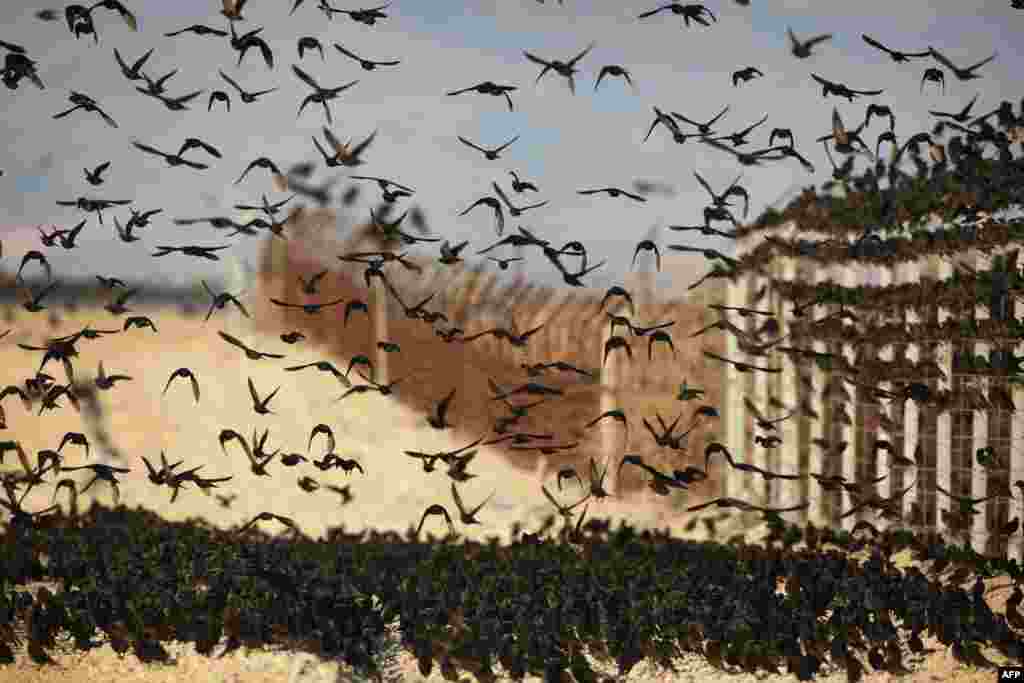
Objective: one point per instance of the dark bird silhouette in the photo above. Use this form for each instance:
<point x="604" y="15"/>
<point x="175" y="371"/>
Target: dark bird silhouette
<point x="745" y="506"/>
<point x="740" y="366"/>
<point x="260" y="162"/>
<point x="841" y="90"/>
<point x="367" y="16"/>
<point x="896" y="55"/>
<point x="232" y="10"/>
<point x="489" y="88"/>
<point x="220" y="300"/>
<point x="251" y="354"/>
<point x="184" y="372"/>
<point x="467" y="516"/>
<point x="95" y="176"/>
<point x="703" y="128"/>
<point x="366" y="64"/>
<point x="804" y="49"/>
<point x="344" y="154"/>
<point x="931" y="74"/>
<point x="199" y="30"/>
<point x="104" y="381"/>
<point x="308" y="309"/>
<point x="248" y="97"/>
<point x="436" y="509"/>
<point x="85" y="103"/>
<point x="193" y="250"/>
<point x="514" y="211"/>
<point x="260" y="405"/>
<point x="389" y="194"/>
<point x="746" y="75"/>
<point x="171" y="159"/>
<point x="133" y="72"/>
<point x="310" y="43"/>
<point x="320" y="95"/>
<point x="567" y="70"/>
<point x="962" y="74"/>
<point x="961" y="116"/>
<point x="242" y="44"/>
<point x="139" y="321"/>
<point x="689" y="12"/>
<point x="438" y="419"/>
<point x="613" y="192"/>
<point x="520" y="186"/>
<point x="490" y="154"/>
<point x="499" y="212"/>
<point x="613" y="70"/>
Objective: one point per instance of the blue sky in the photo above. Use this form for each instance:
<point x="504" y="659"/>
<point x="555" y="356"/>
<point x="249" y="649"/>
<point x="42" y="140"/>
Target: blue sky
<point x="568" y="143"/>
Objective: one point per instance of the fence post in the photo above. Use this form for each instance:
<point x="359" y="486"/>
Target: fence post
<point x="848" y="277"/>
<point x="910" y="273"/>
<point x="1015" y="546"/>
<point x="816" y="399"/>
<point x="610" y="429"/>
<point x="788" y="458"/>
<point x="942" y="268"/>
<point x="379" y="306"/>
<point x="883" y="462"/>
<point x="736" y="294"/>
<point x="980" y="435"/>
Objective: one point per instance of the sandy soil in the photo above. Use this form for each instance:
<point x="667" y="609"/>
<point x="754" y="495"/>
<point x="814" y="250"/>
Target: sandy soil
<point x="371" y="428"/>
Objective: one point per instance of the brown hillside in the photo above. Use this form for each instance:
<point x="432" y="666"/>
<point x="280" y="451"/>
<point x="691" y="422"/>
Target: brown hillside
<point x="476" y="301"/>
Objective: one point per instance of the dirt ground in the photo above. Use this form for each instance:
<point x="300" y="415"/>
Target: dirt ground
<point x="370" y="428"/>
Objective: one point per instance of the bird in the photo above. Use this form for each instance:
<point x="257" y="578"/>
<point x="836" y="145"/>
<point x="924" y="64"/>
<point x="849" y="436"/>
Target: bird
<point x="962" y="74"/>
<point x="199" y="30"/>
<point x="436" y="509"/>
<point x="85" y="103"/>
<point x="804" y="49"/>
<point x="961" y="116"/>
<point x="613" y="192"/>
<point x="746" y="75"/>
<point x="520" y="186"/>
<point x="933" y="75"/>
<point x="740" y="366"/>
<point x="308" y="309"/>
<point x="95" y="176"/>
<point x="567" y="70"/>
<point x="366" y="64"/>
<point x="242" y="44"/>
<point x="104" y="381"/>
<point x="171" y="159"/>
<point x="344" y="154"/>
<point x="259" y="162"/>
<point x="613" y="70"/>
<point x="184" y="372"/>
<point x="691" y="11"/>
<point x="321" y="95"/>
<point x="467" y="516"/>
<point x="896" y="55"/>
<point x="251" y="354"/>
<point x="248" y="97"/>
<point x="310" y="43"/>
<point x="260" y="405"/>
<point x="438" y="419"/>
<point x="133" y="72"/>
<point x="840" y="90"/>
<point x="488" y="88"/>
<point x="490" y="154"/>
<point x="495" y="205"/>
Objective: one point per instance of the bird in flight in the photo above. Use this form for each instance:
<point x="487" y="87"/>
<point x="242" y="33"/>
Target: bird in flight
<point x="489" y="88"/>
<point x="251" y="354"/>
<point x="802" y="49"/>
<point x="567" y="70"/>
<point x="320" y="95"/>
<point x="489" y="154"/>
<point x="248" y="97"/>
<point x="962" y="74"/>
<point x="260" y="404"/>
<point x="896" y="55"/>
<point x="184" y="372"/>
<point x="690" y="12"/>
<point x="366" y="64"/>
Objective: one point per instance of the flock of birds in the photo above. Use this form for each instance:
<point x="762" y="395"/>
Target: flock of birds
<point x="44" y="390"/>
